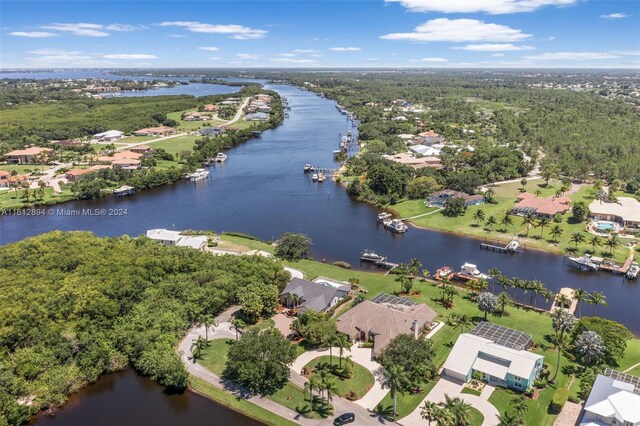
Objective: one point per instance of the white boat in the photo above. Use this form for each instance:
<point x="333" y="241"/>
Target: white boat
<point x="471" y="270"/>
<point x="308" y="167"/>
<point x="384" y="216"/>
<point x="314" y="177"/>
<point x="199" y="174"/>
<point x="583" y="263"/>
<point x="513" y="246"/>
<point x="633" y="271"/>
<point x="396" y="225"/>
<point x="221" y="157"/>
<point x="371" y="256"/>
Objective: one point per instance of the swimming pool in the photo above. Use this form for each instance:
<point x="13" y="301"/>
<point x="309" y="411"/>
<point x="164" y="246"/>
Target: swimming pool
<point x="605" y="226"/>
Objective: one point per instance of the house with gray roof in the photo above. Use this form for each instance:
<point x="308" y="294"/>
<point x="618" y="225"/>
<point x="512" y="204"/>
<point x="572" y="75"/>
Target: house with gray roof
<point x="315" y="296"/>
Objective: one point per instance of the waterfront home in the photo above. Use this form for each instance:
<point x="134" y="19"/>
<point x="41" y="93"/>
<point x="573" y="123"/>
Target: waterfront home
<point x="257" y="116"/>
<point x="196" y="116"/>
<point x="439" y="199"/>
<point x="314" y="296"/>
<point x="155" y="131"/>
<point x="527" y="203"/>
<point x="4" y="179"/>
<point x="126" y="155"/>
<point x="625" y="211"/>
<point x="383" y="318"/>
<point x="614" y="400"/>
<point x="411" y="160"/>
<point x="211" y="131"/>
<point x="28" y="155"/>
<point x="68" y="143"/>
<point x="499" y="353"/>
<point x="174" y="238"/>
<point x="74" y="173"/>
<point x="427" y="151"/>
<point x="126" y="164"/>
<point x="108" y="136"/>
<point x="210" y="108"/>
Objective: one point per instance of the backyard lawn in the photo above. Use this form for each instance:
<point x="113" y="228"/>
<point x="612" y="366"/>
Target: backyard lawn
<point x="214" y="356"/>
<point x="295" y="398"/>
<point x="192" y="125"/>
<point x="505" y="197"/>
<point x="175" y="145"/>
<point x="360" y="383"/>
<point x="11" y="199"/>
<point x="406" y="403"/>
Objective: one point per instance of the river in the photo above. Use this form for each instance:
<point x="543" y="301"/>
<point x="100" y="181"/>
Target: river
<point x="124" y="399"/>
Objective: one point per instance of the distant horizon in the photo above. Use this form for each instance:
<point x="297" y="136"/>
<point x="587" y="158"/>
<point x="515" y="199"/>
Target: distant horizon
<point x="288" y="69"/>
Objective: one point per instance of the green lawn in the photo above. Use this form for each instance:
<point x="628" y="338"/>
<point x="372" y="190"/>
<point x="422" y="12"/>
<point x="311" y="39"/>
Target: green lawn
<point x="238" y="404"/>
<point x="297" y="399"/>
<point x="21" y="168"/>
<point x="471" y="391"/>
<point x="505" y="197"/>
<point x="476" y="417"/>
<point x="214" y="356"/>
<point x="10" y="199"/>
<point x="135" y="139"/>
<point x="243" y="124"/>
<point x="407" y="403"/>
<point x="175" y="145"/>
<point x="360" y="383"/>
<point x="193" y="125"/>
<point x="635" y="371"/>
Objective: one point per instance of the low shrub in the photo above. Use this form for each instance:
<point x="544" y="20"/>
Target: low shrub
<point x="342" y="264"/>
<point x="559" y="399"/>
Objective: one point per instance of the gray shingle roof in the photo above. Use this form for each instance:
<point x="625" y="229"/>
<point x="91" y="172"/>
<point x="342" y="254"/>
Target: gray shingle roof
<point x="313" y="296"/>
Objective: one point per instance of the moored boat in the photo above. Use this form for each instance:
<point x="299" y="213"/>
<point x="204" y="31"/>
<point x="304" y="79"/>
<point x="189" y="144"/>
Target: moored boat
<point x="583" y="263"/>
<point x="471" y="271"/>
<point x="443" y="273"/>
<point x="371" y="256"/>
<point x="396" y="225"/>
<point x="633" y="271"/>
<point x="314" y="177"/>
<point x="383" y="216"/>
<point x="221" y="157"/>
<point x="197" y="175"/>
<point x="308" y="167"/>
<point x="513" y="246"/>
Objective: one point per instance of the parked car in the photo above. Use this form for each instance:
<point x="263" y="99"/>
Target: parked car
<point x="344" y="419"/>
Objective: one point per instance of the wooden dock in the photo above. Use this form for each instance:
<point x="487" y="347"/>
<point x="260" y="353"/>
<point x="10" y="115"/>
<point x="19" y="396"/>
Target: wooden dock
<point x="619" y="269"/>
<point x="500" y="248"/>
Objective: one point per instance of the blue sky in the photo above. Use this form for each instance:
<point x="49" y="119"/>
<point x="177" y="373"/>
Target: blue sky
<point x="364" y="33"/>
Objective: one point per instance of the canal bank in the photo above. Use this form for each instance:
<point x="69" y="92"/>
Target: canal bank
<point x="263" y="191"/>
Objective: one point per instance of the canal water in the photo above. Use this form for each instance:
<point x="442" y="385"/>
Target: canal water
<point x="263" y="191"/>
<point x="126" y="399"/>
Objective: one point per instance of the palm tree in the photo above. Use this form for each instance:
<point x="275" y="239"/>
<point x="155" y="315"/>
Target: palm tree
<point x="238" y="325"/>
<point x="537" y="192"/>
<point x="330" y="388"/>
<point x="494" y="273"/>
<point x="580" y="296"/>
<point x="294" y="299"/>
<point x="196" y="348"/>
<point x="506" y="221"/>
<point x="460" y="409"/>
<point x="536" y="287"/>
<point x="529" y="220"/>
<point x="509" y="418"/>
<point x="595" y="241"/>
<point x="308" y="386"/>
<point x="519" y="405"/>
<point x="478" y="216"/>
<point x="429" y="411"/>
<point x="208" y="321"/>
<point x="491" y="221"/>
<point x="395" y="379"/>
<point x="331" y="341"/>
<point x="542" y="222"/>
<point x="577" y="238"/>
<point x="561" y="344"/>
<point x="342" y="342"/>
<point x="504" y="300"/>
<point x="488" y="194"/>
<point x="597" y="298"/>
<point x="523" y="183"/>
<point x="314" y="383"/>
<point x="612" y="242"/>
<point x="556" y="232"/>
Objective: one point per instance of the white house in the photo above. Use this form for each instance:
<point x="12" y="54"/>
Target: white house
<point x="108" y="136"/>
<point x="499" y="353"/>
<point x="614" y="400"/>
<point x="173" y="238"/>
<point x="427" y="151"/>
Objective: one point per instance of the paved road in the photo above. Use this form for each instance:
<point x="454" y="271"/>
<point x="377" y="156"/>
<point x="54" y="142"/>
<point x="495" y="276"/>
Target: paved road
<point x="224" y="331"/>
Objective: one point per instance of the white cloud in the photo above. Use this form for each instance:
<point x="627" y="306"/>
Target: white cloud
<point x="305" y="51"/>
<point x="53" y="52"/>
<point x="33" y="34"/>
<point x="494" y="7"/>
<point x="433" y="60"/>
<point x="130" y="56"/>
<point x="372" y="59"/>
<point x="177" y="35"/>
<point x="294" y="61"/>
<point x="345" y="49"/>
<point x="238" y="32"/>
<point x="497" y="55"/>
<point x="459" y="30"/>
<point x="120" y="27"/>
<point x="572" y="56"/>
<point x="209" y="48"/>
<point x="615" y="16"/>
<point x="79" y="29"/>
<point x="288" y="55"/>
<point x="247" y="56"/>
<point x="61" y="59"/>
<point x="214" y="58"/>
<point x="489" y="47"/>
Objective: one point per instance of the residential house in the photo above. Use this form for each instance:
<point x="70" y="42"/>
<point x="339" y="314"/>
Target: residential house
<point x="439" y="199"/>
<point x="256" y="116"/>
<point x="400" y="118"/>
<point x="155" y="131"/>
<point x="625" y="210"/>
<point x="141" y="149"/>
<point x="384" y="318"/>
<point x="72" y="174"/>
<point x="411" y="160"/>
<point x="614" y="400"/>
<point x="4" y="179"/>
<point x="28" y="155"/>
<point x="196" y="116"/>
<point x="527" y="203"/>
<point x="427" y="151"/>
<point x="126" y="154"/>
<point x="430" y="137"/>
<point x="126" y="164"/>
<point x="68" y="143"/>
<point x="108" y="136"/>
<point x="174" y="238"/>
<point x="211" y="131"/>
<point x="499" y="353"/>
<point x="210" y="108"/>
<point x="315" y="296"/>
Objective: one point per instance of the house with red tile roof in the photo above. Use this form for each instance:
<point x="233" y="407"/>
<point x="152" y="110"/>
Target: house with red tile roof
<point x="4" y="179"/>
<point x="155" y="131"/>
<point x="548" y="207"/>
<point x="28" y="155"/>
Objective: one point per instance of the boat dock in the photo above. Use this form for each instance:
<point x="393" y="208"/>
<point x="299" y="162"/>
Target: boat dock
<point x="569" y="294"/>
<point x="512" y="246"/>
<point x="616" y="269"/>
